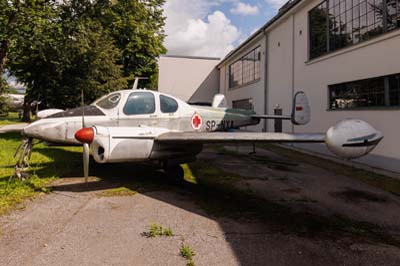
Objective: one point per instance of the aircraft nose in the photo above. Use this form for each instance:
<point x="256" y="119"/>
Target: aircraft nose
<point x="29" y="131"/>
<point x="43" y="130"/>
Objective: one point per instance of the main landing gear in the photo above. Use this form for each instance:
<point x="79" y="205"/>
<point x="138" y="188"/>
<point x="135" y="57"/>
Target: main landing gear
<point x="174" y="171"/>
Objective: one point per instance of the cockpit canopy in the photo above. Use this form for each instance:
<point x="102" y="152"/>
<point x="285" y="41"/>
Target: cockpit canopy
<point x="138" y="102"/>
<point x="109" y="102"/>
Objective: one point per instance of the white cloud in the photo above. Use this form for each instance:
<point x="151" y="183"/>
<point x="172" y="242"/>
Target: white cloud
<point x="191" y="30"/>
<point x="276" y="4"/>
<point x="244" y="9"/>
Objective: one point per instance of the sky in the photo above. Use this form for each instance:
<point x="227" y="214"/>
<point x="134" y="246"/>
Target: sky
<point x="212" y="28"/>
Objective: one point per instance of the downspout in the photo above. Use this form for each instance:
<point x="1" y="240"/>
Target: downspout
<point x="266" y="80"/>
<point x="293" y="62"/>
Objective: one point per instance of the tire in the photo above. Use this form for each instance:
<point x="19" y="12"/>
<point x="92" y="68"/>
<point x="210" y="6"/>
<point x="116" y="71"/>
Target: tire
<point x="174" y="172"/>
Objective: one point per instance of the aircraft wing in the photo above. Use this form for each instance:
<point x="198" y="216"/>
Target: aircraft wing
<point x="226" y="137"/>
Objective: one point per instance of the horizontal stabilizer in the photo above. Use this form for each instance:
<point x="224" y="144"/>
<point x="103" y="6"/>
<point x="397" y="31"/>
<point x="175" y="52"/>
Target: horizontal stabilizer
<point x="301" y="112"/>
<point x="281" y="117"/>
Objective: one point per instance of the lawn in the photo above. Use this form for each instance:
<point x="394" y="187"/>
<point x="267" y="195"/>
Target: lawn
<point x="47" y="163"/>
<point x="12" y="118"/>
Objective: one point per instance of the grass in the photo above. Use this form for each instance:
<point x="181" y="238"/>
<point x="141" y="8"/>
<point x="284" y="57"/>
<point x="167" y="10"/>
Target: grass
<point x="209" y="174"/>
<point x="117" y="192"/>
<point x="155" y="230"/>
<point x="187" y="253"/>
<point x="47" y="163"/>
<point x="12" y="118"/>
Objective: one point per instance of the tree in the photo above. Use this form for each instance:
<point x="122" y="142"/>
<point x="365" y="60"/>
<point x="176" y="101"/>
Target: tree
<point x="57" y="48"/>
<point x="18" y="17"/>
<point x="137" y="30"/>
<point x="63" y="61"/>
<point x="3" y="99"/>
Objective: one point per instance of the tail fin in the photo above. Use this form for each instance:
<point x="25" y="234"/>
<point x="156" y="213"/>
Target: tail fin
<point x="136" y="83"/>
<point x="219" y="101"/>
<point x="301" y="112"/>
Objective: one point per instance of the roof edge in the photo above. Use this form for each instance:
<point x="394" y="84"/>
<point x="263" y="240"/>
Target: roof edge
<point x="288" y="6"/>
<point x="190" y="57"/>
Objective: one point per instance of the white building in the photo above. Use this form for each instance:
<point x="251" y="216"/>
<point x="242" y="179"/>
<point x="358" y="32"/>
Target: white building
<point x="192" y="79"/>
<point x="345" y="54"/>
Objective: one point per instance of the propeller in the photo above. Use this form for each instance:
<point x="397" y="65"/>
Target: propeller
<point x="85" y="141"/>
<point x="86" y="161"/>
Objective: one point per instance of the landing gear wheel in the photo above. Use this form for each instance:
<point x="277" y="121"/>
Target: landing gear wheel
<point x="175" y="172"/>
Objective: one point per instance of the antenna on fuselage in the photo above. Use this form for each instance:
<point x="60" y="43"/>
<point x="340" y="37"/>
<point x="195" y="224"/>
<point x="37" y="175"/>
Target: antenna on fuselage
<point x="136" y="83"/>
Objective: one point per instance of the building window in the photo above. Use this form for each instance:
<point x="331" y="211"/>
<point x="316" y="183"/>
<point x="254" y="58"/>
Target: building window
<point x="373" y="92"/>
<point x="246" y="69"/>
<point x="245" y="104"/>
<point x="335" y="24"/>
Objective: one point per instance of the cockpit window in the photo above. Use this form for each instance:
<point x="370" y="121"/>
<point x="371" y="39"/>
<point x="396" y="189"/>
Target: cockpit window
<point x="110" y="101"/>
<point x="168" y="105"/>
<point x="140" y="103"/>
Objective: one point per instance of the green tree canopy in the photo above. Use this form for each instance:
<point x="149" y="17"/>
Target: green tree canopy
<point x="59" y="48"/>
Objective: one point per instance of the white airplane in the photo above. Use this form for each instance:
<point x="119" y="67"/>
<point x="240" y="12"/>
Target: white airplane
<point x="144" y="125"/>
<point x="16" y="101"/>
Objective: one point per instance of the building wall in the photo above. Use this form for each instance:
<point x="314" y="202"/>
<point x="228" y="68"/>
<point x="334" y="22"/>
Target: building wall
<point x="191" y="79"/>
<point x="253" y="90"/>
<point x="289" y="70"/>
<point x="376" y="57"/>
<point x="280" y="71"/>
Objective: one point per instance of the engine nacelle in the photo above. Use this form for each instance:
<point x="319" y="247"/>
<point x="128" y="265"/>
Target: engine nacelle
<point x="352" y="138"/>
<point x="123" y="144"/>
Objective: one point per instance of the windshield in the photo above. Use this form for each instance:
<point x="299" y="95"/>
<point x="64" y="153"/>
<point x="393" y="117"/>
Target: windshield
<point x="110" y="101"/>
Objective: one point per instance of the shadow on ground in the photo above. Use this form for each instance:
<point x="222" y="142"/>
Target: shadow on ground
<point x="216" y="197"/>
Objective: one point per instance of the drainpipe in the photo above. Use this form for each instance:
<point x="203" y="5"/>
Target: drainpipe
<point x="293" y="61"/>
<point x="266" y="58"/>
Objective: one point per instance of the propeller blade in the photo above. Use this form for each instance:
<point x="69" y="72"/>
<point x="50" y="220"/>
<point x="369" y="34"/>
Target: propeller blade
<point x="86" y="161"/>
<point x="83" y="109"/>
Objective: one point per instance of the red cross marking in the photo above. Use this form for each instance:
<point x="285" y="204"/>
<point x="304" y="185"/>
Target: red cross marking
<point x="197" y="121"/>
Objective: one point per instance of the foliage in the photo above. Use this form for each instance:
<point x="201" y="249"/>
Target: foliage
<point x="59" y="48"/>
<point x="137" y="29"/>
<point x="187" y="252"/>
<point x="157" y="230"/>
<point x="11" y="118"/>
<point x="3" y="100"/>
<point x="117" y="192"/>
<point x="65" y="58"/>
<point x="46" y="164"/>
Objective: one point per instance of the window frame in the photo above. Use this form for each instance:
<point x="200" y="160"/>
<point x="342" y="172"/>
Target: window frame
<point x="108" y="97"/>
<point x="387" y="91"/>
<point x="140" y="92"/>
<point x="255" y="70"/>
<point x="247" y="100"/>
<point x="378" y="28"/>
<point x="161" y="106"/>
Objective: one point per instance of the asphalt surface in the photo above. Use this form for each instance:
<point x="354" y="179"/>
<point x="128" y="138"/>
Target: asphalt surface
<point x="75" y="225"/>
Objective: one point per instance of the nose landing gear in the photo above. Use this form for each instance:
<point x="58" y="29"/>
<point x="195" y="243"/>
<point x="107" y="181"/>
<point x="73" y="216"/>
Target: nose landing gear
<point x="23" y="153"/>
